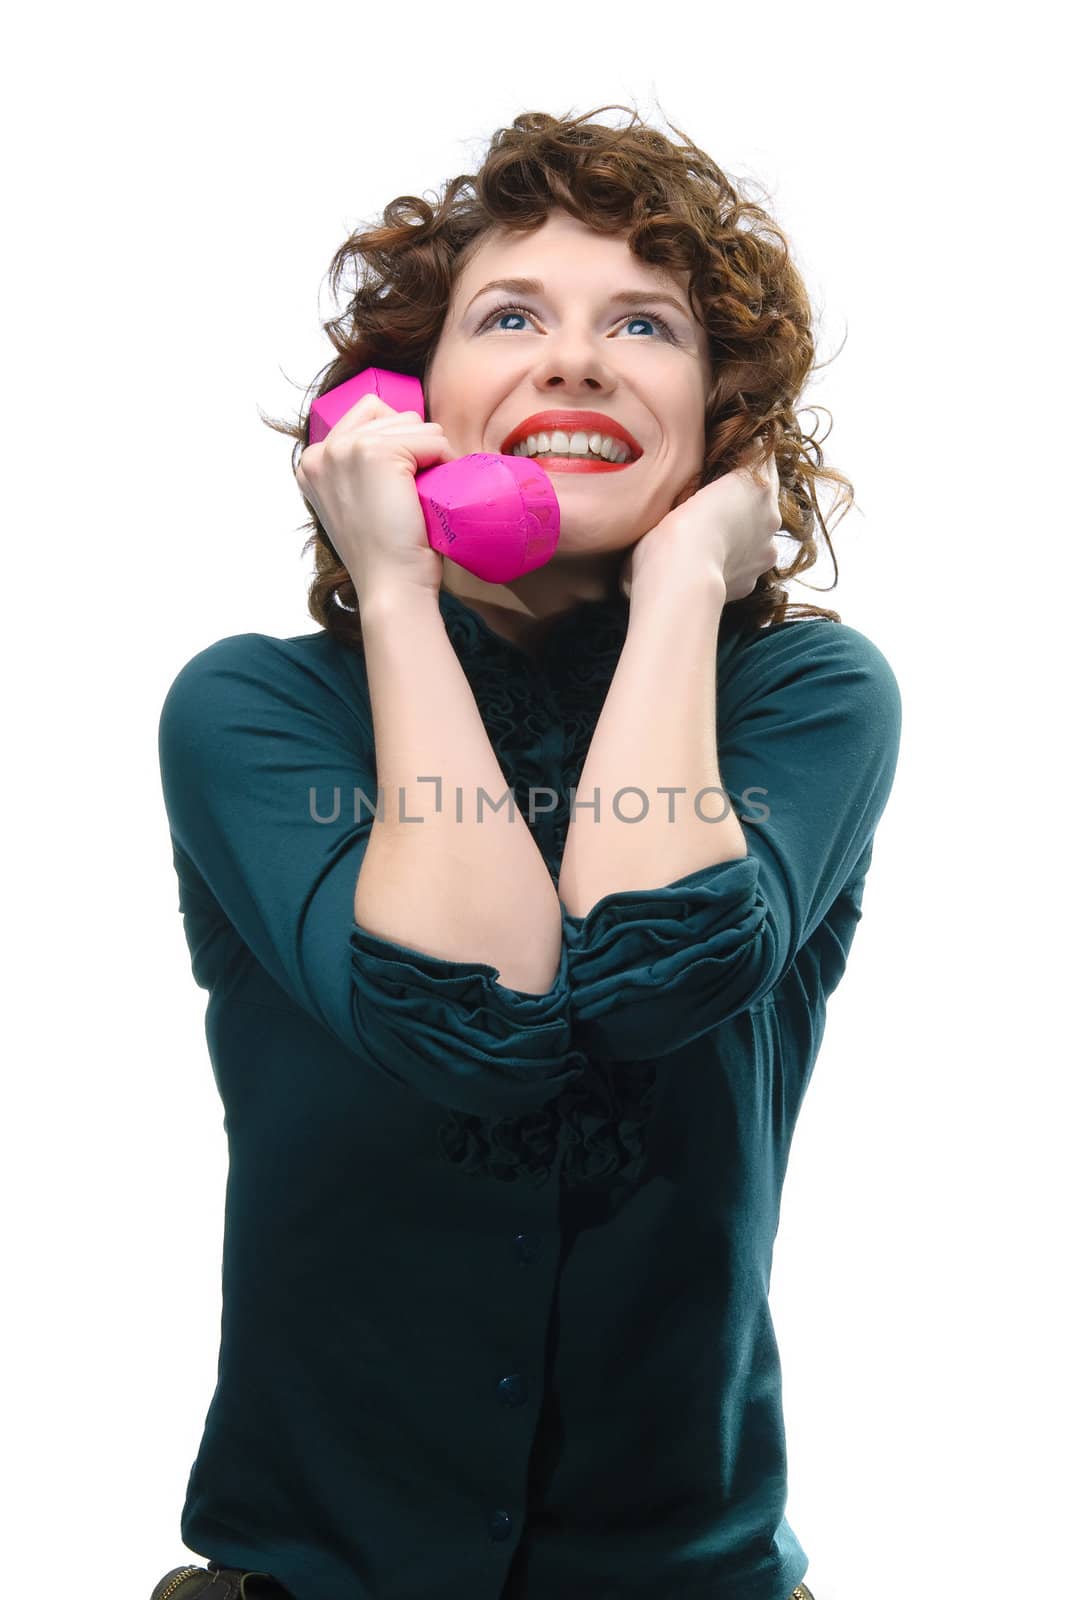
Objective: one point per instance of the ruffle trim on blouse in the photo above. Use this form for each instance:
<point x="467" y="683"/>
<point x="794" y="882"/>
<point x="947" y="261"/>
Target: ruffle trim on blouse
<point x="598" y="1122"/>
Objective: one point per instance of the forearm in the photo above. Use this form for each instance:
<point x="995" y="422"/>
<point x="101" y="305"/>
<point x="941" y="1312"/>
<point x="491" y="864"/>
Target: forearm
<point x="657" y="731"/>
<point x="474" y="889"/>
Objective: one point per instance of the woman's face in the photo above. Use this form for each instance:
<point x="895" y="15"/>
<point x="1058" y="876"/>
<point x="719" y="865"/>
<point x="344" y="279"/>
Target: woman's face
<point x="577" y="346"/>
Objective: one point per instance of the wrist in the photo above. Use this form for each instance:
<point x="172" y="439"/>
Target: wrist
<point x="657" y="586"/>
<point x="392" y="598"/>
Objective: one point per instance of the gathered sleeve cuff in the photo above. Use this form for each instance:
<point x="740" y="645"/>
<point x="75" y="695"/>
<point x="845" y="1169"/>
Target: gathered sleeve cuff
<point x="808" y="739"/>
<point x="451" y="1030"/>
<point x="645" y="962"/>
<point x="260" y="758"/>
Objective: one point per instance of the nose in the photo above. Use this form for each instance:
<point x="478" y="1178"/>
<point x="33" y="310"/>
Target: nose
<point x="559" y="381"/>
<point x="572" y="362"/>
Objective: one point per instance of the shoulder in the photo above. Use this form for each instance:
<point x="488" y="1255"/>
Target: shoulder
<point x="248" y="687"/>
<point x="310" y="669"/>
<point x="811" y="656"/>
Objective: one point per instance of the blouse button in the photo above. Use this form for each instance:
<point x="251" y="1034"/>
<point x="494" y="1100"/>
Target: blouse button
<point x="526" y="1246"/>
<point x="513" y="1391"/>
<point x="500" y="1524"/>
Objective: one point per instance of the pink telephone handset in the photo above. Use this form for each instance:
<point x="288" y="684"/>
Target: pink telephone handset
<point x="496" y="516"/>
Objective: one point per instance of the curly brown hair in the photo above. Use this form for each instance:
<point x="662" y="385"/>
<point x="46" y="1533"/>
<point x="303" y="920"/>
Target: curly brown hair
<point x="681" y="212"/>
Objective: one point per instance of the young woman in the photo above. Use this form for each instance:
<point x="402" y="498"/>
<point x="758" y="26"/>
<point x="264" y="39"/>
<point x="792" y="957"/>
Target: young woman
<point x="509" y="1090"/>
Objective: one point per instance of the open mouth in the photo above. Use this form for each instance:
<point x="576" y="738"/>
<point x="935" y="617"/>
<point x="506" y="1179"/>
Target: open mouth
<point x="582" y="452"/>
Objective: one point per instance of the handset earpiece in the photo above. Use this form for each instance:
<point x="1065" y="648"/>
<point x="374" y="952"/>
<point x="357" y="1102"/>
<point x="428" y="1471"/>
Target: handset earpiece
<point x="496" y="516"/>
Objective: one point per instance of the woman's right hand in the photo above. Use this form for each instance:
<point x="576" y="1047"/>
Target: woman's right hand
<point x="359" y="480"/>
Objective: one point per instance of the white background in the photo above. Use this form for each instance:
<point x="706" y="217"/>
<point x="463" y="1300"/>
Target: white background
<point x="175" y="187"/>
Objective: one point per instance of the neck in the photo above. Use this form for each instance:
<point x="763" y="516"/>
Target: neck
<point x="522" y="609"/>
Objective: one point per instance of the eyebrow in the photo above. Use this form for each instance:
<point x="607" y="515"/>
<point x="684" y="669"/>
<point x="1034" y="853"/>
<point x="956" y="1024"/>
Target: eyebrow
<point x="534" y="286"/>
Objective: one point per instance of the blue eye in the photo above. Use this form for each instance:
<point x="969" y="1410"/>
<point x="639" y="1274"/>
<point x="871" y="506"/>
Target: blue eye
<point x="526" y="311"/>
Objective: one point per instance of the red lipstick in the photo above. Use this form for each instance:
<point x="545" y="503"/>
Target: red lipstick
<point x="573" y="463"/>
<point x="572" y="422"/>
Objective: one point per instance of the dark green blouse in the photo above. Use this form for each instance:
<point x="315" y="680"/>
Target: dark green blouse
<point x="495" y="1316"/>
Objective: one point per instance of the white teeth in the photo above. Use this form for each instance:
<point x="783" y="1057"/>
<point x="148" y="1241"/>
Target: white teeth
<point x="560" y="443"/>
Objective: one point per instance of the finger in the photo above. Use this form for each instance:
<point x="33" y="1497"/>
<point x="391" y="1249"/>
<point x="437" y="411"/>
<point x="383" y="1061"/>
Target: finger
<point x="375" y="424"/>
<point x="404" y="424"/>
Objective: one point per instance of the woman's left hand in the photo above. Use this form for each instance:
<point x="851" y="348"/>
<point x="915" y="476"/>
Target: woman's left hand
<point x="726" y="528"/>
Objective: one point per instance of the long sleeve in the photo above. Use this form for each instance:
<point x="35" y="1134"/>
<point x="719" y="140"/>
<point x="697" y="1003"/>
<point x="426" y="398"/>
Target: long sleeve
<point x="808" y="737"/>
<point x="263" y="762"/>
